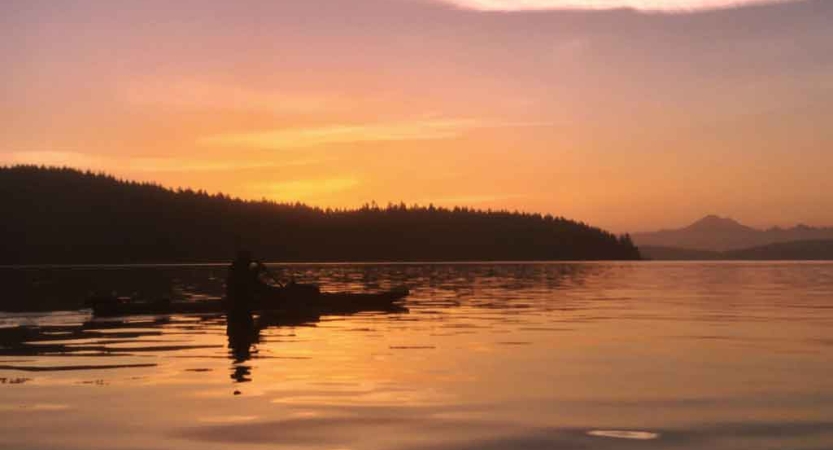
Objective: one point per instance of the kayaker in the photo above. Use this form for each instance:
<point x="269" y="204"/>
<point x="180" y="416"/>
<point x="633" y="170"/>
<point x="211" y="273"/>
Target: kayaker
<point x="243" y="282"/>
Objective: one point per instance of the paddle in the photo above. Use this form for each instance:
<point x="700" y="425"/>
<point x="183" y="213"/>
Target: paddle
<point x="270" y="273"/>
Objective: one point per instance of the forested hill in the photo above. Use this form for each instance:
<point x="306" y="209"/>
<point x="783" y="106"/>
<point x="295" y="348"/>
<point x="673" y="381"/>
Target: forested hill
<point x="59" y="215"/>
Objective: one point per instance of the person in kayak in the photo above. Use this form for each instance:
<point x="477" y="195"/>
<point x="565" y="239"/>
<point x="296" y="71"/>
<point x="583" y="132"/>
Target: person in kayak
<point x="243" y="282"/>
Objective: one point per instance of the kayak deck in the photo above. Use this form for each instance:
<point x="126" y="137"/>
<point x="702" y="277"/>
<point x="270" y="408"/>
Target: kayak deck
<point x="320" y="303"/>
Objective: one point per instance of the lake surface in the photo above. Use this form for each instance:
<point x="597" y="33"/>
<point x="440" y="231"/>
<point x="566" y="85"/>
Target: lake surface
<point x="488" y="356"/>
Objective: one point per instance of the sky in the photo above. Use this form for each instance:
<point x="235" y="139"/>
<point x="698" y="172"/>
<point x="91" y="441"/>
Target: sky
<point x="630" y="115"/>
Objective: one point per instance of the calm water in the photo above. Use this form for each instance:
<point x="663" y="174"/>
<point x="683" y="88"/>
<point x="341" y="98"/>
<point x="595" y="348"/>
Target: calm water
<point x="493" y="356"/>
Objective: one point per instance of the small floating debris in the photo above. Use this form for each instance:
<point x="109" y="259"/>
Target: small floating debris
<point x="412" y="347"/>
<point x="35" y="407"/>
<point x="68" y="368"/>
<point x="227" y="419"/>
<point x="624" y="434"/>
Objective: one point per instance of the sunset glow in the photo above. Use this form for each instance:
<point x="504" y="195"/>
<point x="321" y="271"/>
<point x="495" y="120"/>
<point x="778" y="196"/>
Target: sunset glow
<point x="416" y="224"/>
<point x="625" y="120"/>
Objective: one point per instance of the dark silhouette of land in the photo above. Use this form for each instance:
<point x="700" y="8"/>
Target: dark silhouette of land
<point x="659" y="253"/>
<point x="808" y="250"/>
<point x="66" y="216"/>
<point x="720" y="234"/>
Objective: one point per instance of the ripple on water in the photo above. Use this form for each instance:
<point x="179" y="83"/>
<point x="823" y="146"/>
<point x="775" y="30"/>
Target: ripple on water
<point x="624" y="434"/>
<point x="477" y="363"/>
<point x="35" y="407"/>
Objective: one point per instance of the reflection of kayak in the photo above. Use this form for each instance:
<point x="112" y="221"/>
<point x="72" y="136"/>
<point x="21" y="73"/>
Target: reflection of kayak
<point x="293" y="299"/>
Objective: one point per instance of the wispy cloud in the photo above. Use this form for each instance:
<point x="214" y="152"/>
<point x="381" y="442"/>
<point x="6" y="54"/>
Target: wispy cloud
<point x="143" y="164"/>
<point x="424" y="129"/>
<point x="670" y="6"/>
<point x="180" y="165"/>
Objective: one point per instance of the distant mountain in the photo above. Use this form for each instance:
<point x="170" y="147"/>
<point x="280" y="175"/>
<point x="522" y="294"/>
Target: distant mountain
<point x="808" y="250"/>
<point x="53" y="215"/>
<point x="720" y="234"/>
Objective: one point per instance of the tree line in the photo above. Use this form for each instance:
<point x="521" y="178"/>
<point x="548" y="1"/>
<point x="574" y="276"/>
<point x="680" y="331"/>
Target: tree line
<point x="63" y="215"/>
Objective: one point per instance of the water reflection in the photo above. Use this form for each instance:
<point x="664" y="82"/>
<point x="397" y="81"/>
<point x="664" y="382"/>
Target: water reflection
<point x="66" y="288"/>
<point x="489" y="356"/>
<point x="244" y="332"/>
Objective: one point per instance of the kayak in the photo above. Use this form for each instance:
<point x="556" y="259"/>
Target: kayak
<point x="292" y="299"/>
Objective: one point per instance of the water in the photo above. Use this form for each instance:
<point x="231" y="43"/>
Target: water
<point x="490" y="356"/>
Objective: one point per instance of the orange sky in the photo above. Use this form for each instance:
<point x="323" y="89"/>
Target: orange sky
<point x="627" y="119"/>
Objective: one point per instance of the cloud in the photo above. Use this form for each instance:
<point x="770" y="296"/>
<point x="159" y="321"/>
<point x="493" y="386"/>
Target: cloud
<point x="425" y="129"/>
<point x="668" y="6"/>
<point x="181" y="165"/>
<point x="142" y="164"/>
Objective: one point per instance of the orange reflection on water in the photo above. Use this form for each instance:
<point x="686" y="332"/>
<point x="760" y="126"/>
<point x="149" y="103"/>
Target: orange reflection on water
<point x="535" y="355"/>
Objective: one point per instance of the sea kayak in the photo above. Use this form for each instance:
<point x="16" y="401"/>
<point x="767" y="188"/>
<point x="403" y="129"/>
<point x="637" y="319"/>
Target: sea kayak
<point x="298" y="299"/>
